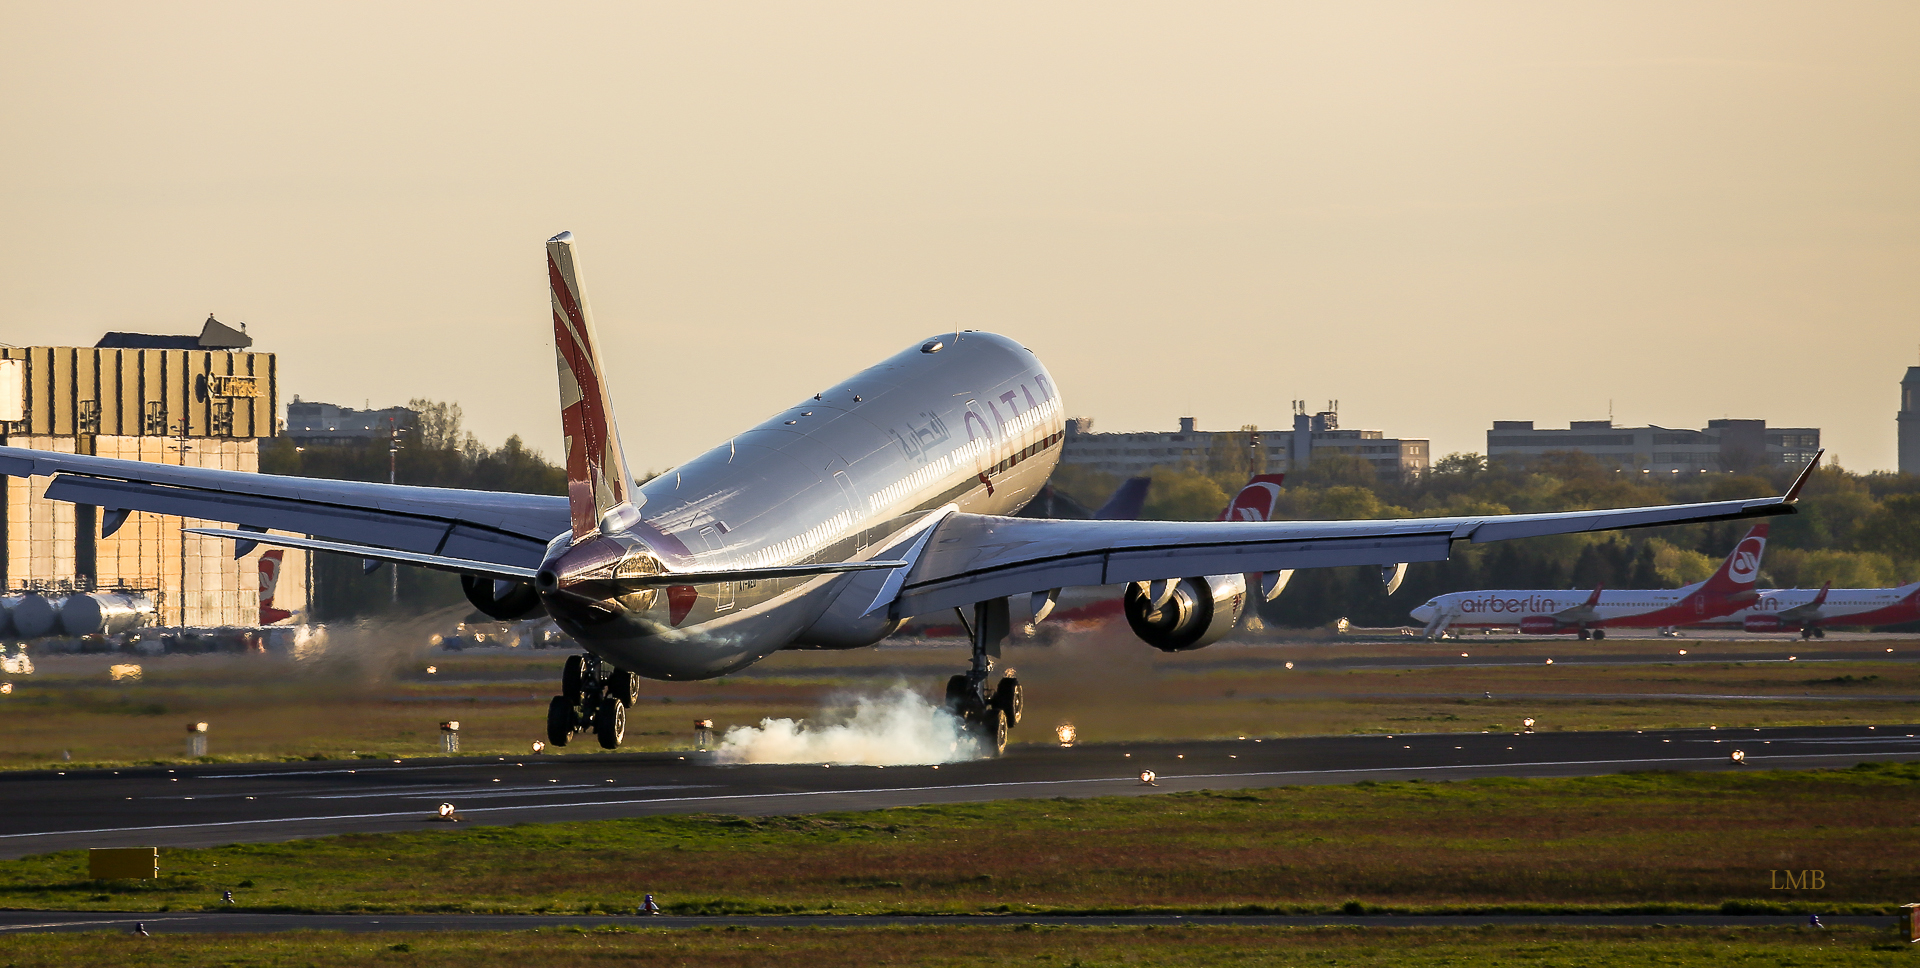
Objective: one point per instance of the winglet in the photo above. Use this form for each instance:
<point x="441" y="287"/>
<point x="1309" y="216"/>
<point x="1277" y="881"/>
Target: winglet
<point x="1793" y="491"/>
<point x="1822" y="597"/>
<point x="1594" y="599"/>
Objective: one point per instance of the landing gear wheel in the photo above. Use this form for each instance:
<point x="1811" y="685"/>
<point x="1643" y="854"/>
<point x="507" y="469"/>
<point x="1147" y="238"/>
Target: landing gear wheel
<point x="1599" y="634"/>
<point x="559" y="721"/>
<point x="956" y="694"/>
<point x="624" y="686"/>
<point x="991" y="730"/>
<point x="570" y="677"/>
<point x="610" y="723"/>
<point x="1006" y="698"/>
<point x="1584" y="635"/>
<point x="1819" y="633"/>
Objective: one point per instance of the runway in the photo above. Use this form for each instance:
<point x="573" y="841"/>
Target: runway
<point x="184" y="806"/>
<point x="209" y="922"/>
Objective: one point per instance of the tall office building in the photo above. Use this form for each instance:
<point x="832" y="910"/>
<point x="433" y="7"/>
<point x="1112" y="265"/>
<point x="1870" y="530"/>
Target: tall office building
<point x="1910" y="422"/>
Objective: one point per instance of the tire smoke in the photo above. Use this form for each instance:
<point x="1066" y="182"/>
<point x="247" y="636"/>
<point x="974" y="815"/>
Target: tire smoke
<point x="898" y="727"/>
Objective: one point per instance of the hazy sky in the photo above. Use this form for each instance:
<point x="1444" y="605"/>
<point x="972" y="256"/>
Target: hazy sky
<point x="1441" y="214"/>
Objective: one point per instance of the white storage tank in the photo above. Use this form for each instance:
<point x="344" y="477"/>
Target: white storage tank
<point x="105" y="613"/>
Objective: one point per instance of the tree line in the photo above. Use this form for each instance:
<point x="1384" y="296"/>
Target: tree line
<point x="435" y="452"/>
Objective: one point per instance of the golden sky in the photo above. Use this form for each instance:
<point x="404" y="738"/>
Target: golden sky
<point x="1441" y="214"/>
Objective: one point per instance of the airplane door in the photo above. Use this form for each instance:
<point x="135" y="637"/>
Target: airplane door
<point x="723" y="591"/>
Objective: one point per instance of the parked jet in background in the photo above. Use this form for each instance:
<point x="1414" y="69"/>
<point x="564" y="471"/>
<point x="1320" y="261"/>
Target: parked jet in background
<point x="883" y="496"/>
<point x="1808" y="611"/>
<point x="1590" y="614"/>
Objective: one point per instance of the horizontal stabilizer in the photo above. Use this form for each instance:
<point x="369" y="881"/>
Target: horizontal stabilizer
<point x="465" y="566"/>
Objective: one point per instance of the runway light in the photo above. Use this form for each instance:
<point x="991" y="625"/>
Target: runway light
<point x="1683" y="652"/>
<point x="1792" y="657"/>
<point x="1528" y="723"/>
<point x="446" y="811"/>
<point x="1739" y="756"/>
<point x="432" y="670"/>
<point x="6" y="688"/>
<point x="538" y="746"/>
<point x="1065" y="733"/>
<point x="1290" y="665"/>
<point x="1147" y="778"/>
<point x="1463" y="655"/>
<point x="1549" y="661"/>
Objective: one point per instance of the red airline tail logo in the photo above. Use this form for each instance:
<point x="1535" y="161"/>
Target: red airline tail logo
<point x="1255" y="501"/>
<point x="1743" y="566"/>
<point x="270" y="562"/>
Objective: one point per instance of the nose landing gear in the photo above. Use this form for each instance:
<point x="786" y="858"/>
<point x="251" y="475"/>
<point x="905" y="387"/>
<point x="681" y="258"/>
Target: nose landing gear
<point x="987" y="714"/>
<point x="591" y="698"/>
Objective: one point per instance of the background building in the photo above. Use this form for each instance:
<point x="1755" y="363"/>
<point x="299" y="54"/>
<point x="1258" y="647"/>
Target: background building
<point x="193" y="401"/>
<point x="1252" y="450"/>
<point x="1725" y="445"/>
<point x="310" y="422"/>
<point x="1909" y="422"/>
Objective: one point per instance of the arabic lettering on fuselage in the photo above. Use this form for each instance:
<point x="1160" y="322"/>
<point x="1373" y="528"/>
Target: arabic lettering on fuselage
<point x="918" y="440"/>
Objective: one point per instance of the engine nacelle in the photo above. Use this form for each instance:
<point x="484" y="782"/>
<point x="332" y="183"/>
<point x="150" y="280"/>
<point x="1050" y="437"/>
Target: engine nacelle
<point x="1197" y="614"/>
<point x="1763" y="623"/>
<point x="1543" y="625"/>
<point x="503" y="600"/>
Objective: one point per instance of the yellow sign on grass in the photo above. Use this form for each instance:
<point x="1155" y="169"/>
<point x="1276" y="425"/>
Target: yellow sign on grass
<point x="109" y="863"/>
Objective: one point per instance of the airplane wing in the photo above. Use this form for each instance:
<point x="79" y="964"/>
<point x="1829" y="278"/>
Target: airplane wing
<point x="487" y="527"/>
<point x="975" y="557"/>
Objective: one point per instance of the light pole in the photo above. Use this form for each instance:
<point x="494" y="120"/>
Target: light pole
<point x="393" y="472"/>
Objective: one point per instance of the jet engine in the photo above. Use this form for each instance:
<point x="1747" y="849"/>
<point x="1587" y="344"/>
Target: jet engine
<point x="1193" y="613"/>
<point x="1762" y="623"/>
<point x="503" y="600"/>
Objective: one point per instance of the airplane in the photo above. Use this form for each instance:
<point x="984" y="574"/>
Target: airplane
<point x="1083" y="607"/>
<point x="1808" y="612"/>
<point x="883" y="496"/>
<point x="1590" y="614"/>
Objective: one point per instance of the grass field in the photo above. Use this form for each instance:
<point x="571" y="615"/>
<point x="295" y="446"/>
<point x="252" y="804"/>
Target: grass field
<point x="983" y="945"/>
<point x="384" y="703"/>
<point x="1650" y="842"/>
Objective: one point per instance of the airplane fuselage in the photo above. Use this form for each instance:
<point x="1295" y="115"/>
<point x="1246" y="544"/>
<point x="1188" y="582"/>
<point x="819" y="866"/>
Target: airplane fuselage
<point x="975" y="423"/>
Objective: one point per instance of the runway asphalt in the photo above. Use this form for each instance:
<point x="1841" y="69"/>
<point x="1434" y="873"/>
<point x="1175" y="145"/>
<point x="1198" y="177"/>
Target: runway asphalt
<point x="44" y="811"/>
<point x="216" y="922"/>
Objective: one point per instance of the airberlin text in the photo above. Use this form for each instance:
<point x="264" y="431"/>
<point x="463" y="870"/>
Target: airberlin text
<point x="1531" y="603"/>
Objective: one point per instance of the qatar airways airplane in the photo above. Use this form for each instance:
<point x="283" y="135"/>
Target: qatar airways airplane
<point x="1807" y="610"/>
<point x="1548" y="612"/>
<point x="885" y="495"/>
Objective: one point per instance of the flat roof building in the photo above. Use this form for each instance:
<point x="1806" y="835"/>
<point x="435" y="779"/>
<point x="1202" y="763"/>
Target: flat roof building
<point x="1251" y="451"/>
<point x="312" y="422"/>
<point x="1724" y="445"/>
<point x="192" y="401"/>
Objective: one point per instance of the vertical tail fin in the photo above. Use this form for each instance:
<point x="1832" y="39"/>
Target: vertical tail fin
<point x="1742" y="567"/>
<point x="1255" y="501"/>
<point x="597" y="477"/>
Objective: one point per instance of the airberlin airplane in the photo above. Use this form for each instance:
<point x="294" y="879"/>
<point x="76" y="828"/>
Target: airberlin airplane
<point x="1547" y="612"/>
<point x="1807" y="611"/>
<point x="884" y="496"/>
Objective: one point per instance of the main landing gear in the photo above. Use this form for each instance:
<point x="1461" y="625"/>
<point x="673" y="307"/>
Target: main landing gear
<point x="592" y="697"/>
<point x="986" y="713"/>
<point x="1812" y="631"/>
